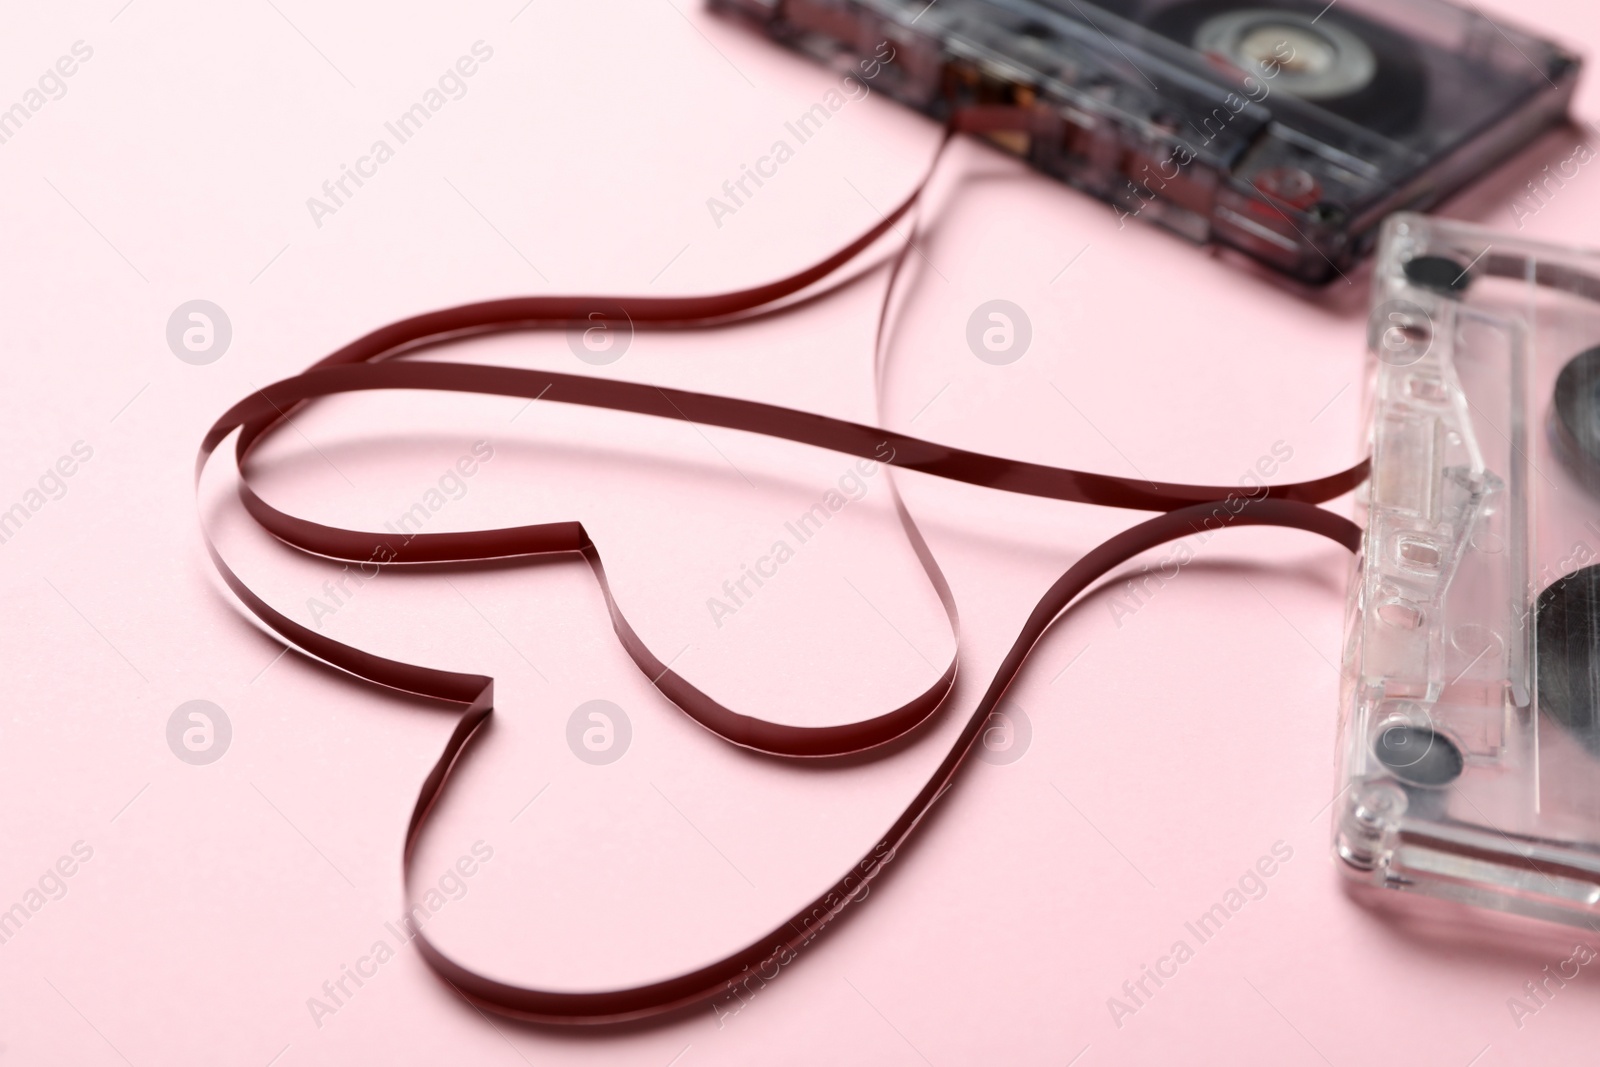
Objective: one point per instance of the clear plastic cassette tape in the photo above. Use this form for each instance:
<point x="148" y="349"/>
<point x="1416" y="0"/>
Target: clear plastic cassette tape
<point x="1285" y="129"/>
<point x="1470" y="711"/>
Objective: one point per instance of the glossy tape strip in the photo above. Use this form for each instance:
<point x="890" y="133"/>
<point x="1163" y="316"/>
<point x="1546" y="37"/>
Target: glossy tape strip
<point x="371" y="363"/>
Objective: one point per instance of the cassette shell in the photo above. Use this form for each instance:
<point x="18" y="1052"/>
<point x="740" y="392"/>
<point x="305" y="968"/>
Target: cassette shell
<point x="1273" y="127"/>
<point x="1469" y="752"/>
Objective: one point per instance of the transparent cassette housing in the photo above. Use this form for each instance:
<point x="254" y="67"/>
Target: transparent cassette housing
<point x="1454" y="780"/>
<point x="1133" y="102"/>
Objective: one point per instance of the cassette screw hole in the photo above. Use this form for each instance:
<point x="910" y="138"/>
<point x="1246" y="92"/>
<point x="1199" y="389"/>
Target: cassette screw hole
<point x="1399" y="332"/>
<point x="1372" y="809"/>
<point x="1377" y="803"/>
<point x="1418" y="755"/>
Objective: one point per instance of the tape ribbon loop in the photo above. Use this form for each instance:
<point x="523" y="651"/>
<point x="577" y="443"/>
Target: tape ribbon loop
<point x="374" y="362"/>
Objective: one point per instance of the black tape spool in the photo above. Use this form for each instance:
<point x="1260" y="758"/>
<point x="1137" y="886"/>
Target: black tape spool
<point x="1567" y="618"/>
<point x="1575" y="417"/>
<point x="1391" y="103"/>
<point x="1567" y="613"/>
<point x="1567" y="641"/>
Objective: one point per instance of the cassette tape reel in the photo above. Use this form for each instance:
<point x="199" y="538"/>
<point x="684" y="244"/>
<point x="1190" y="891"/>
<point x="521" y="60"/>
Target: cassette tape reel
<point x="1285" y="129"/>
<point x="1470" y="717"/>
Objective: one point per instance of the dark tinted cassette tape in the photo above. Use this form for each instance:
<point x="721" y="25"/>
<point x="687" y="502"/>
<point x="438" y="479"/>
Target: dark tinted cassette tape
<point x="1286" y="129"/>
<point x="1470" y="719"/>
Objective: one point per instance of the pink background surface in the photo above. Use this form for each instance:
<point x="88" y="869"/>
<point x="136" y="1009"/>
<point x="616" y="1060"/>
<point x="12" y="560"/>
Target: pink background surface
<point x="1171" y="747"/>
